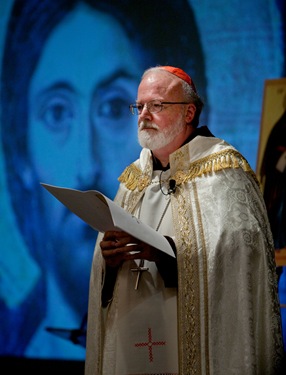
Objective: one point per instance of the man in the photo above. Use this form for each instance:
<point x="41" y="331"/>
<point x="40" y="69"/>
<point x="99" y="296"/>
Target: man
<point x="213" y="307"/>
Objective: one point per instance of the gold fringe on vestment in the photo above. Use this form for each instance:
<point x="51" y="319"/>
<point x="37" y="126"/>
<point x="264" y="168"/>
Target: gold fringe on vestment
<point x="134" y="178"/>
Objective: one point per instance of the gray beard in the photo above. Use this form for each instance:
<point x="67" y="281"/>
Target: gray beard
<point x="156" y="139"/>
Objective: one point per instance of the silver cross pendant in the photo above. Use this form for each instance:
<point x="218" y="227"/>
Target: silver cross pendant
<point x="139" y="269"/>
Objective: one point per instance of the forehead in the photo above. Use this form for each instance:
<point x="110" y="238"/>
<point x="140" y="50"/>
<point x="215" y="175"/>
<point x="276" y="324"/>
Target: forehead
<point x="159" y="85"/>
<point x="102" y="48"/>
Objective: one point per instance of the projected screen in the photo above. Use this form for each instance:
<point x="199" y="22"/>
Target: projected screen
<point x="69" y="70"/>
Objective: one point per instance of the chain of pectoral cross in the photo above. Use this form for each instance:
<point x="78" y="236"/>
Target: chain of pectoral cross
<point x="140" y="269"/>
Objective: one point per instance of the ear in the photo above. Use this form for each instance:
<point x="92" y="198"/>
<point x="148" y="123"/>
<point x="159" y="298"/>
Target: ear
<point x="190" y="113"/>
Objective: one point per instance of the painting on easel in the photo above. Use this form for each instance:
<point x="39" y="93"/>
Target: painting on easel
<point x="271" y="161"/>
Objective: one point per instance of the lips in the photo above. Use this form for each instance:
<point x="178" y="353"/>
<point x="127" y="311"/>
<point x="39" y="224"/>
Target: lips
<point x="147" y="126"/>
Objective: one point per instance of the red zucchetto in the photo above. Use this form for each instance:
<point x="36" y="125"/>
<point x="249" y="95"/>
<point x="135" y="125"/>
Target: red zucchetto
<point x="181" y="74"/>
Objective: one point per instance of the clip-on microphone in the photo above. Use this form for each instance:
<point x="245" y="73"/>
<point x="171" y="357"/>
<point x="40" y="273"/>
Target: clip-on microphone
<point x="172" y="186"/>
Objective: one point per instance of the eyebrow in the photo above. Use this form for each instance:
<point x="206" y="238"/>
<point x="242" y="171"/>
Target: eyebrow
<point x="118" y="74"/>
<point x="65" y="85"/>
<point x="60" y="85"/>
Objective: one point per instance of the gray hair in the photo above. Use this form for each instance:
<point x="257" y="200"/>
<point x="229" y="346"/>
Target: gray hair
<point x="191" y="96"/>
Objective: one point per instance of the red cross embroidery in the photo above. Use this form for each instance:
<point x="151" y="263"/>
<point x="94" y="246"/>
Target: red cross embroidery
<point x="150" y="344"/>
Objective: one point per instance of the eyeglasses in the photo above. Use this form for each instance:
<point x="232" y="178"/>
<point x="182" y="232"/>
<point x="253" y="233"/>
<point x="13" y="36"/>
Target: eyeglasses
<point x="154" y="106"/>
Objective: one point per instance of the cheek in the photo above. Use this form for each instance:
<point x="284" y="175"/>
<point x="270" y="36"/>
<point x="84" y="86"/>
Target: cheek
<point x="51" y="157"/>
<point x="174" y="125"/>
<point x="116" y="145"/>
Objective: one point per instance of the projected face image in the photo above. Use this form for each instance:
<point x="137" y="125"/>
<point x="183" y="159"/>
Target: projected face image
<point x="80" y="133"/>
<point x="80" y="124"/>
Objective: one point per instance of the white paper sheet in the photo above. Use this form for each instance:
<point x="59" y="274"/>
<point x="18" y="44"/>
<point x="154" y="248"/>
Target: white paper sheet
<point x="102" y="214"/>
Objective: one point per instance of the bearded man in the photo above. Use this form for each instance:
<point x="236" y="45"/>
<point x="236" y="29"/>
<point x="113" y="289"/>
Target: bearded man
<point x="212" y="308"/>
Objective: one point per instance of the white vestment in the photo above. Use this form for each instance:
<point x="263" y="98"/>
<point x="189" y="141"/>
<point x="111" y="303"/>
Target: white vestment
<point x="223" y="318"/>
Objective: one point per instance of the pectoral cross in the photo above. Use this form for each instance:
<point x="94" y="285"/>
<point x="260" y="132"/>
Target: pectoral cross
<point x="139" y="269"/>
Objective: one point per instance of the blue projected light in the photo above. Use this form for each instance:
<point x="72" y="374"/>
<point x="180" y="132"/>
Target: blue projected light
<point x="67" y="79"/>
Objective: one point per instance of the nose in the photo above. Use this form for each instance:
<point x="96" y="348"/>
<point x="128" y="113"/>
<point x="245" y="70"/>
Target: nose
<point x="88" y="166"/>
<point x="145" y="113"/>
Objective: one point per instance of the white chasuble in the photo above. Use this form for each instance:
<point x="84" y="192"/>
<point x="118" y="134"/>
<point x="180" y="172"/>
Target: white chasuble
<point x="224" y="316"/>
<point x="141" y="324"/>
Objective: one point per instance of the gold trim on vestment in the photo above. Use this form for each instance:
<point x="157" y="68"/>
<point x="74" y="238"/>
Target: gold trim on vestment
<point x="205" y="320"/>
<point x="134" y="178"/>
<point x="188" y="286"/>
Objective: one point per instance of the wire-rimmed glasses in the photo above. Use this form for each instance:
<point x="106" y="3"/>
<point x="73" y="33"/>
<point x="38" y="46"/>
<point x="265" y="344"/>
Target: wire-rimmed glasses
<point x="154" y="106"/>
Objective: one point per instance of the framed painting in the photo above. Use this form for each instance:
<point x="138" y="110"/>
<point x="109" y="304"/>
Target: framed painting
<point x="271" y="161"/>
<point x="274" y="105"/>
